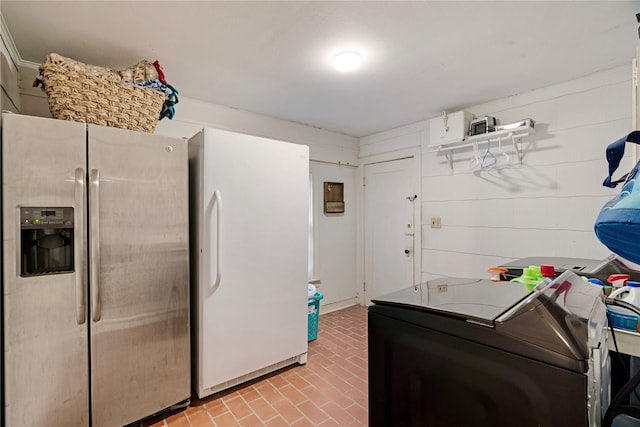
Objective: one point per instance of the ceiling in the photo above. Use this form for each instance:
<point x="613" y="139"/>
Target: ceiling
<point x="273" y="58"/>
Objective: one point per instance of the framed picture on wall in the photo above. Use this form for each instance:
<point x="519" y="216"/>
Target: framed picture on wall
<point x="333" y="197"/>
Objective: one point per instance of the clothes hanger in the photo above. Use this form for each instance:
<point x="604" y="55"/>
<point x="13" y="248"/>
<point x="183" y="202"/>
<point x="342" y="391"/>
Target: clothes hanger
<point x="501" y="152"/>
<point x="476" y="160"/>
<point x="489" y="159"/>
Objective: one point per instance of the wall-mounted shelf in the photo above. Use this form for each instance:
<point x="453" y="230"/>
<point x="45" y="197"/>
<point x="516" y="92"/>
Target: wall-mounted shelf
<point x="512" y="133"/>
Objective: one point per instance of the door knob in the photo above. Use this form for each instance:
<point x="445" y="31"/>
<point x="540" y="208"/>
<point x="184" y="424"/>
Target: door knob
<point x="406" y="251"/>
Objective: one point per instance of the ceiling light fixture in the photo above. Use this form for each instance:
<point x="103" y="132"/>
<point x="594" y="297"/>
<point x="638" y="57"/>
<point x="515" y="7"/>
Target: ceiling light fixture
<point x="347" y="61"/>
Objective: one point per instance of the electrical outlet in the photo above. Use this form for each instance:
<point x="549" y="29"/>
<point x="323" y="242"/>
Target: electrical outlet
<point x="443" y="288"/>
<point x="436" y="222"/>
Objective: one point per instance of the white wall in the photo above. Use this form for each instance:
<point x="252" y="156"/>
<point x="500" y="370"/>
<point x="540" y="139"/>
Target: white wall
<point x="544" y="207"/>
<point x="335" y="236"/>
<point x="9" y="92"/>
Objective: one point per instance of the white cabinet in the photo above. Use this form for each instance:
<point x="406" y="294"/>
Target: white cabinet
<point x="449" y="128"/>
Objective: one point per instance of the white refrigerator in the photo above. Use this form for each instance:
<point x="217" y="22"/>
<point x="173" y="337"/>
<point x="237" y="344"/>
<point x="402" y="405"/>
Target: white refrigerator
<point x="249" y="200"/>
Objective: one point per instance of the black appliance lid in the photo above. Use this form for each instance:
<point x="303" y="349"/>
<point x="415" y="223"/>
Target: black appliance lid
<point x="565" y="317"/>
<point x="475" y="300"/>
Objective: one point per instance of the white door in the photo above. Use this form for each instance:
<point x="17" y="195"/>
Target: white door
<point x="389" y="199"/>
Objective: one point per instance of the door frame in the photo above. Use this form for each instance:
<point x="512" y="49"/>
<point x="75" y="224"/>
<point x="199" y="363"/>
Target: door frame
<point x="415" y="154"/>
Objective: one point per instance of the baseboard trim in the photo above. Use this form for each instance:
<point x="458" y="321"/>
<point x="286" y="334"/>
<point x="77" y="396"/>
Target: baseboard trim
<point x="338" y="305"/>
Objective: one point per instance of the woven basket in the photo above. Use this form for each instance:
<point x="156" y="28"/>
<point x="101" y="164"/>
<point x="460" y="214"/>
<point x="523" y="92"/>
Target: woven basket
<point x="87" y="98"/>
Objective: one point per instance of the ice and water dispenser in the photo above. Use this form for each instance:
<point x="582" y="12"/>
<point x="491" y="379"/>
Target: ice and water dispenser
<point x="46" y="240"/>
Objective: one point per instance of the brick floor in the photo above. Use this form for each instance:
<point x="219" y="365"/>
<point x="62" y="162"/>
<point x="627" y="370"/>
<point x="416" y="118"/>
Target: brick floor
<point x="330" y="390"/>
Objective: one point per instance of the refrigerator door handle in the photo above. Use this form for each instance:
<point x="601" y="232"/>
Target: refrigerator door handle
<point x="217" y="201"/>
<point x="94" y="207"/>
<point x="79" y="253"/>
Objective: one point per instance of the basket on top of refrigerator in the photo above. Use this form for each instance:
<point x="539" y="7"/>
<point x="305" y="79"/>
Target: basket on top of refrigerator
<point x="134" y="98"/>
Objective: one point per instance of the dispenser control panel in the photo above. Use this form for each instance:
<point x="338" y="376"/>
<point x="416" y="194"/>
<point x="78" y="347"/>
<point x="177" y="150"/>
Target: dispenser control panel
<point x="46" y="217"/>
<point x="46" y="240"/>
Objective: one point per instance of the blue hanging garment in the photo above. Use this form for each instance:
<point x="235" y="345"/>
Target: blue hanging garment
<point x="618" y="223"/>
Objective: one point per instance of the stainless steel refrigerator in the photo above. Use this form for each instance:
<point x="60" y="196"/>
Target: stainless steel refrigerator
<point x="95" y="273"/>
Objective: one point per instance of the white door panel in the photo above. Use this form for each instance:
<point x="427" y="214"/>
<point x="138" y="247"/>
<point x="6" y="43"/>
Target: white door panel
<point x="389" y="227"/>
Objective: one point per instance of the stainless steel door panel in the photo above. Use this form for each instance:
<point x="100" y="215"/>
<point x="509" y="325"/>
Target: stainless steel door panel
<point x="140" y="344"/>
<point x="45" y="330"/>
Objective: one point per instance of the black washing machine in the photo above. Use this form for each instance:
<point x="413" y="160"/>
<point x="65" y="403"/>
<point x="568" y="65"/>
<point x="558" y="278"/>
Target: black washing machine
<point x="467" y="352"/>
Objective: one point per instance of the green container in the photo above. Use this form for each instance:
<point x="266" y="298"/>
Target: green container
<point x="314" y="315"/>
<point x="531" y="276"/>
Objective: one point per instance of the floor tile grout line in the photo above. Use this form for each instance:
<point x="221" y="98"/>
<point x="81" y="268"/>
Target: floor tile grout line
<point x="275" y="409"/>
<point x="351" y="371"/>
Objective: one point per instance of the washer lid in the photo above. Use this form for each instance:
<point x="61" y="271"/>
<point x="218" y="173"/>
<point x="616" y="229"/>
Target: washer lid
<point x="475" y="300"/>
<point x="565" y="317"/>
